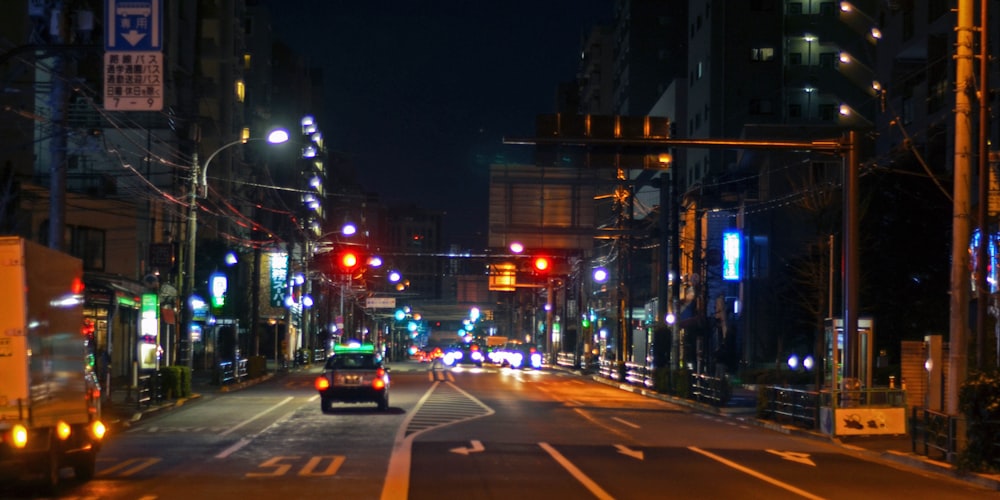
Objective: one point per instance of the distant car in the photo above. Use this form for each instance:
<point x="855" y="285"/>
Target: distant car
<point x="464" y="354"/>
<point x="519" y="355"/>
<point x="355" y="373"/>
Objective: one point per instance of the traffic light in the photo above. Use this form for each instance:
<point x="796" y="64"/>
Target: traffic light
<point x="348" y="260"/>
<point x="541" y="264"/>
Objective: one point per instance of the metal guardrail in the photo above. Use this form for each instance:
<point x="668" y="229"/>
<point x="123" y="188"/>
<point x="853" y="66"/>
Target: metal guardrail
<point x="877" y="396"/>
<point x="934" y="434"/>
<point x="637" y="374"/>
<point x="230" y="372"/>
<point x="712" y="390"/>
<point x="795" y="406"/>
<point x="144" y="391"/>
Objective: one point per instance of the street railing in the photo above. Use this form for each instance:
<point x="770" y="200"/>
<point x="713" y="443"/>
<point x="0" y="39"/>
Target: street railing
<point x="230" y="372"/>
<point x="796" y="406"/>
<point x="934" y="434"/>
<point x="712" y="390"/>
<point x="637" y="374"/>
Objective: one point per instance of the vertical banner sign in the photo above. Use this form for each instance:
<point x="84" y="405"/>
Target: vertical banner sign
<point x="731" y="255"/>
<point x="133" y="55"/>
<point x="279" y="278"/>
<point x="149" y="331"/>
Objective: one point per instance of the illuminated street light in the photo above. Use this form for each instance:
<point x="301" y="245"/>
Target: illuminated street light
<point x="275" y="136"/>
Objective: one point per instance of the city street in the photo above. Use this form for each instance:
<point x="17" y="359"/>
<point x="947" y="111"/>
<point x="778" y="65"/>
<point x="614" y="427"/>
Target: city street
<point x="476" y="433"/>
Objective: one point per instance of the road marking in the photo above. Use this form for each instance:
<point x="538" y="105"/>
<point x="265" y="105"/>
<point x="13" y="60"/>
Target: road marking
<point x="397" y="479"/>
<point x="584" y="414"/>
<point x="477" y="447"/>
<point x="310" y="468"/>
<point x="758" y="475"/>
<point x="794" y="456"/>
<point x="130" y="466"/>
<point x="625" y="450"/>
<point x="255" y="417"/>
<point x="588" y="483"/>
<point x="626" y="422"/>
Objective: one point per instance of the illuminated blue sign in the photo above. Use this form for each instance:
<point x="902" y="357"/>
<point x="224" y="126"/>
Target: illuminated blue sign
<point x="731" y="255"/>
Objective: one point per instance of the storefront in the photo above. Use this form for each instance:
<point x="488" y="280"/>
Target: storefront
<point x="112" y="306"/>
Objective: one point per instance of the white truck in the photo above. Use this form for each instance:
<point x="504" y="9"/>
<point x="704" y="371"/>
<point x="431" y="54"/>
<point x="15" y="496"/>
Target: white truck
<point x="50" y="412"/>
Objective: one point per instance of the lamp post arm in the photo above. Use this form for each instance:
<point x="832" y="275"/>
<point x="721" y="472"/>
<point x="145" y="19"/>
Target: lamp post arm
<point x="204" y="168"/>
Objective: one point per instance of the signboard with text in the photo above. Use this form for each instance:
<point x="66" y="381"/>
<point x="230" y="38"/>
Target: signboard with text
<point x="133" y="81"/>
<point x="133" y="55"/>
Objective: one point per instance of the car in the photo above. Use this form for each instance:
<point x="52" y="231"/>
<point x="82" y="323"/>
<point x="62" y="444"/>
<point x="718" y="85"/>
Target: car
<point x="464" y="354"/>
<point x="519" y="355"/>
<point x="354" y="373"/>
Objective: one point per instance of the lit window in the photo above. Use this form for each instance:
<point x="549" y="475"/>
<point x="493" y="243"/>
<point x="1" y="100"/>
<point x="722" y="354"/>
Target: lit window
<point x="241" y="91"/>
<point x="762" y="54"/>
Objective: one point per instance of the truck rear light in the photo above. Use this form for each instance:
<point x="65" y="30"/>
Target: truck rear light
<point x="63" y="430"/>
<point x="321" y="383"/>
<point x="19" y="436"/>
<point x="98" y="430"/>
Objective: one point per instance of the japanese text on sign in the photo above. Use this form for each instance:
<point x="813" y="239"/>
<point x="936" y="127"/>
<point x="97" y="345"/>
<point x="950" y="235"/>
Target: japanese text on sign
<point x="133" y="81"/>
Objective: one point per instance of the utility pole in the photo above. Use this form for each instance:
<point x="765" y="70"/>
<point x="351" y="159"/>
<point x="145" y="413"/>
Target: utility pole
<point x="192" y="234"/>
<point x="982" y="287"/>
<point x="58" y="99"/>
<point x="961" y="210"/>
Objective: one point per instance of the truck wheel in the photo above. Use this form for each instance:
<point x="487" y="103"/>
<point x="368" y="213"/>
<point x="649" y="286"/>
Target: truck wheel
<point x="325" y="405"/>
<point x="85" y="468"/>
<point x="50" y="474"/>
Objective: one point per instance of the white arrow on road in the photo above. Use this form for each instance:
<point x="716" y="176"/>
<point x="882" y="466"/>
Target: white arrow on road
<point x="625" y="450"/>
<point x="476" y="448"/>
<point x="794" y="456"/>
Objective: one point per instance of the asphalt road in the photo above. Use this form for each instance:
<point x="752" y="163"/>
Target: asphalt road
<point x="476" y="434"/>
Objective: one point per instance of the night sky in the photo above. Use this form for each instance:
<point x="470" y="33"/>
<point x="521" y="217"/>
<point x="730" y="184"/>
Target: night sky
<point x="419" y="94"/>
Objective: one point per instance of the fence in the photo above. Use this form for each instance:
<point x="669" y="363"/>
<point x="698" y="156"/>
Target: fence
<point x="230" y="372"/>
<point x="711" y="390"/>
<point x="796" y="406"/>
<point x="934" y="434"/>
<point x="146" y="390"/>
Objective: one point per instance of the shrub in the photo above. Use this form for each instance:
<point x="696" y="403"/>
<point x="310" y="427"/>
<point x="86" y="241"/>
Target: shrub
<point x="979" y="402"/>
<point x="682" y="383"/>
<point x="185" y="381"/>
<point x="170" y="382"/>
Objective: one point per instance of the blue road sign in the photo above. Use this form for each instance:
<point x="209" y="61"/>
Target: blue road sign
<point x="133" y="25"/>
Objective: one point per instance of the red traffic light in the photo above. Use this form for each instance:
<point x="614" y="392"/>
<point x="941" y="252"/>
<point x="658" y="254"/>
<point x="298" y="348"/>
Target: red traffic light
<point x="348" y="260"/>
<point x="541" y="264"/>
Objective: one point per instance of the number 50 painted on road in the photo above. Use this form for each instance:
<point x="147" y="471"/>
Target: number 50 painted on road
<point x="310" y="469"/>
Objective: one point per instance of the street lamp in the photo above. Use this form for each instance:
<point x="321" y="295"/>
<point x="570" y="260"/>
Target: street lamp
<point x="276" y="136"/>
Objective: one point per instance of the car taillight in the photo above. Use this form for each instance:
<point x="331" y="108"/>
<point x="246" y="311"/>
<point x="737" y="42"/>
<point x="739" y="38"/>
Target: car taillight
<point x="322" y="383"/>
<point x="380" y="372"/>
<point x="378" y="383"/>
